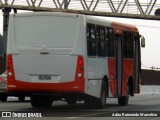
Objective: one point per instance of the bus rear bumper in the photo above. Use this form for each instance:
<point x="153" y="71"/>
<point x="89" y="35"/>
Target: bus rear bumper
<point x="66" y="87"/>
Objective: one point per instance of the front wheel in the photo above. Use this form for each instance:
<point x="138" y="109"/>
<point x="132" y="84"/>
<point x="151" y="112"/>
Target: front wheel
<point x="123" y="101"/>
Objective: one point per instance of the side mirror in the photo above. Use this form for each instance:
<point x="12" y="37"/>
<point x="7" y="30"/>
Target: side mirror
<point x="142" y="41"/>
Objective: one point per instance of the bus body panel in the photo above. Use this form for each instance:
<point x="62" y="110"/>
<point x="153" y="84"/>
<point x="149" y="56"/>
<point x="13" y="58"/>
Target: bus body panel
<point x="29" y="67"/>
<point x="40" y="54"/>
<point x="97" y="69"/>
<point x="14" y="85"/>
<point x="111" y="77"/>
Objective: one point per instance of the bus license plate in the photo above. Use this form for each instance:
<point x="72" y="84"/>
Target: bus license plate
<point x="44" y="77"/>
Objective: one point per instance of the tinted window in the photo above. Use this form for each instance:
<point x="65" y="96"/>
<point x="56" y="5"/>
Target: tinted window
<point x="110" y="42"/>
<point x="128" y="44"/>
<point x="91" y="40"/>
<point x="101" y="42"/>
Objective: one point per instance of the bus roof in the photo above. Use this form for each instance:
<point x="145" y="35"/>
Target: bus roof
<point x="89" y="19"/>
<point x="124" y="26"/>
<point x="25" y="14"/>
<point x="108" y="23"/>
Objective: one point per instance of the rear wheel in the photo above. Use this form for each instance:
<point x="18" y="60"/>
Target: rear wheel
<point x="89" y="101"/>
<point x="41" y="101"/>
<point x="99" y="103"/>
<point x="71" y="100"/>
<point x="21" y="98"/>
<point x="124" y="100"/>
<point x="35" y="101"/>
<point x="3" y="98"/>
<point x="45" y="101"/>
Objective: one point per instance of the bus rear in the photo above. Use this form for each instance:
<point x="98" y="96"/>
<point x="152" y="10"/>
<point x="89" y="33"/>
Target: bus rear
<point x="43" y="53"/>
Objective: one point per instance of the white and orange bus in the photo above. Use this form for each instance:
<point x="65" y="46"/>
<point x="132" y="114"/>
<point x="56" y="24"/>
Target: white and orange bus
<point x="54" y="56"/>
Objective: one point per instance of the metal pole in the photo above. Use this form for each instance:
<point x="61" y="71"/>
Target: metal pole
<point x="6" y="12"/>
<point x="65" y="4"/>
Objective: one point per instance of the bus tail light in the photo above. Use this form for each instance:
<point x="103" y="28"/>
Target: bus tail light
<point x="80" y="67"/>
<point x="79" y="75"/>
<point x="9" y="60"/>
<point x="79" y="83"/>
<point x="10" y="73"/>
<point x="80" y="62"/>
<point x="9" y="66"/>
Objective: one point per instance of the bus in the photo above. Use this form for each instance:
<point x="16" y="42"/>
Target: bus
<point x="64" y="56"/>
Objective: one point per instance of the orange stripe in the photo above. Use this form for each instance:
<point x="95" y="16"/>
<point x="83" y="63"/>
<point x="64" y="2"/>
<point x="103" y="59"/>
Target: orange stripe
<point x="124" y="26"/>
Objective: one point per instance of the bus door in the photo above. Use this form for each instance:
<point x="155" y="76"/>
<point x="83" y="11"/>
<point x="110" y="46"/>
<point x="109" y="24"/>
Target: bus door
<point x="137" y="62"/>
<point x="119" y="60"/>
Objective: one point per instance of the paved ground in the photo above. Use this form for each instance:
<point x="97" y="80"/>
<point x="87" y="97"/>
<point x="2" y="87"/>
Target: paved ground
<point x="61" y="110"/>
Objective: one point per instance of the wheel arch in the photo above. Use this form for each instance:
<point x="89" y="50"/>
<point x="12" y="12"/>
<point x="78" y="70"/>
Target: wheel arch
<point x="106" y="81"/>
<point x="131" y="85"/>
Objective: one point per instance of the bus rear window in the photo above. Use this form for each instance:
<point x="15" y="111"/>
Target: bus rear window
<point x="45" y="30"/>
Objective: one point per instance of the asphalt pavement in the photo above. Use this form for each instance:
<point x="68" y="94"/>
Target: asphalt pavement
<point x="143" y="107"/>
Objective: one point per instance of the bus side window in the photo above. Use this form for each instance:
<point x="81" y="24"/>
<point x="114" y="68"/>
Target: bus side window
<point x="103" y="42"/>
<point x="110" y="42"/>
<point x="91" y="40"/>
<point x="128" y="45"/>
<point x="100" y="38"/>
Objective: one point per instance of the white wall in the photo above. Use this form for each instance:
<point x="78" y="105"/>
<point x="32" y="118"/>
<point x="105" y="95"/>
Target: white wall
<point x="150" y="89"/>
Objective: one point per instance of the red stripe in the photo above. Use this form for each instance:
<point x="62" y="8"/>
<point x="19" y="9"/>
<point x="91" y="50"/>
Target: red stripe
<point x="47" y="87"/>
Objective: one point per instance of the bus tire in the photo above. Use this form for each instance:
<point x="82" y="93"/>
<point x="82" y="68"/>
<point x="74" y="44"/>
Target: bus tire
<point x="35" y="101"/>
<point x="71" y="101"/>
<point x="21" y="98"/>
<point x="3" y="98"/>
<point x="98" y="103"/>
<point x="89" y="101"/>
<point x="45" y="101"/>
<point x="123" y="101"/>
<point x="101" y="102"/>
